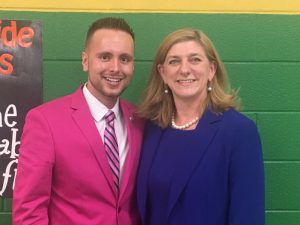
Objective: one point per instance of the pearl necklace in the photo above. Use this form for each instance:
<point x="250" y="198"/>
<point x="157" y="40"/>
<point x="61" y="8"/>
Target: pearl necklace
<point x="184" y="126"/>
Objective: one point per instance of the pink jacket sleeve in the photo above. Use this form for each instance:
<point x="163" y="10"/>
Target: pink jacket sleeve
<point x="33" y="181"/>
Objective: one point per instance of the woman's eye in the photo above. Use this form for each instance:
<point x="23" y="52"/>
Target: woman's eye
<point x="173" y="61"/>
<point x="195" y="60"/>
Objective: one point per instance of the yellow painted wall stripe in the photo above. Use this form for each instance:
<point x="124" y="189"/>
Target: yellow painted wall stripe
<point x="178" y="6"/>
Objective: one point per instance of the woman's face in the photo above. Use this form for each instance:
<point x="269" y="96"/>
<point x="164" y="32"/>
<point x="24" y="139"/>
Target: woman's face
<point x="186" y="71"/>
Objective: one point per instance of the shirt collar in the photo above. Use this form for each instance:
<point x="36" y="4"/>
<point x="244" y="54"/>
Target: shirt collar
<point x="97" y="108"/>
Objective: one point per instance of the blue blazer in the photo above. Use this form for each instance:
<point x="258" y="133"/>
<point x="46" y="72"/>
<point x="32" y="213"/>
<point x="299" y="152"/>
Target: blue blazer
<point x="218" y="178"/>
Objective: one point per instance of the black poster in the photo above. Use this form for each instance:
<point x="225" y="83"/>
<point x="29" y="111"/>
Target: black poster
<point x="20" y="90"/>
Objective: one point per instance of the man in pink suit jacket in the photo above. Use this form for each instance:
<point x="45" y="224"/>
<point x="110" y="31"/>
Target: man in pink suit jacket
<point x="64" y="177"/>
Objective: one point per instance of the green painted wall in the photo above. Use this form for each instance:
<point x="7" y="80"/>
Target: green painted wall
<point x="261" y="53"/>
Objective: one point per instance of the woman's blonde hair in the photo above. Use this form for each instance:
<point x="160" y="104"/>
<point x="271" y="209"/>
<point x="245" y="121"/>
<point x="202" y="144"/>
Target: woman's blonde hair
<point x="158" y="106"/>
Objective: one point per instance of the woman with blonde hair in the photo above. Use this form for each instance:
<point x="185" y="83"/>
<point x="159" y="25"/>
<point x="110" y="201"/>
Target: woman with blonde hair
<point x="201" y="159"/>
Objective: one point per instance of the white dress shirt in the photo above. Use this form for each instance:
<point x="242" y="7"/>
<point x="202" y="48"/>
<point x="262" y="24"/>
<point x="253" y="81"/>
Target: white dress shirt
<point x="98" y="110"/>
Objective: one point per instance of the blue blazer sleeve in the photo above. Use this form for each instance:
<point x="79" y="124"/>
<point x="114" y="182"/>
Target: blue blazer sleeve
<point x="246" y="176"/>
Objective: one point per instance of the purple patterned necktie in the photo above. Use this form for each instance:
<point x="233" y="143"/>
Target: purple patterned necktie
<point x="111" y="147"/>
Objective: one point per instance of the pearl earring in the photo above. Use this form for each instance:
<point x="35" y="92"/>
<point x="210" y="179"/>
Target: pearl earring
<point x="166" y="89"/>
<point x="209" y="88"/>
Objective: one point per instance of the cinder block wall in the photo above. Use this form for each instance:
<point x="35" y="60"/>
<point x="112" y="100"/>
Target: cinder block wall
<point x="261" y="54"/>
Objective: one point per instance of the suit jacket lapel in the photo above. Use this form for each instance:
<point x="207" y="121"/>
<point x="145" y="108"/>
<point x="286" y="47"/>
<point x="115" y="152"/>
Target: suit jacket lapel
<point x="83" y="118"/>
<point x="206" y="130"/>
<point x="133" y="154"/>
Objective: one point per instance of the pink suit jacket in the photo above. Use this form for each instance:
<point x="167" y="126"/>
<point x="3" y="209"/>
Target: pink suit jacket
<point x="63" y="174"/>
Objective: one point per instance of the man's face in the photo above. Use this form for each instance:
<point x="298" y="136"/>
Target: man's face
<point x="109" y="61"/>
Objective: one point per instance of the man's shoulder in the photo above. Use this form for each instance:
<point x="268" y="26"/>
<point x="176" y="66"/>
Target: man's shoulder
<point x="55" y="105"/>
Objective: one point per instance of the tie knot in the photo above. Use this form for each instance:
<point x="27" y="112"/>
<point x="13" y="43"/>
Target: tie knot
<point x="109" y="116"/>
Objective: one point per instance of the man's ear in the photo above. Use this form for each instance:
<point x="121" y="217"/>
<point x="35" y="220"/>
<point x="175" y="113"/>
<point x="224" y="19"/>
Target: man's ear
<point x="84" y="61"/>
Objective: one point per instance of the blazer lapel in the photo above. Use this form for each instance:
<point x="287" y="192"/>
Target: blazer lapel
<point x="150" y="145"/>
<point x="206" y="130"/>
<point x="83" y="118"/>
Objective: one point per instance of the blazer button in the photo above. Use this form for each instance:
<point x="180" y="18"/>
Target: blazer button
<point x="119" y="209"/>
